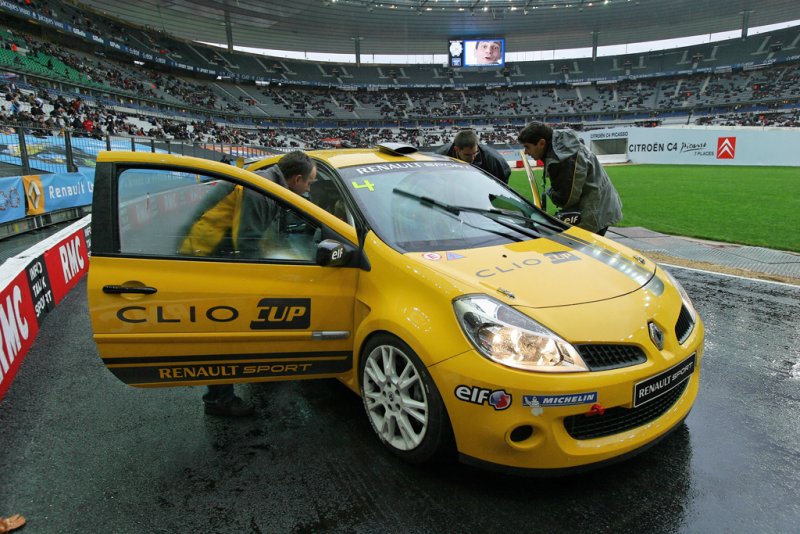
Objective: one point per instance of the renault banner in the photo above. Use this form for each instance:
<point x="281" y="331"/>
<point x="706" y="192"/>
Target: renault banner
<point x="12" y="206"/>
<point x="53" y="192"/>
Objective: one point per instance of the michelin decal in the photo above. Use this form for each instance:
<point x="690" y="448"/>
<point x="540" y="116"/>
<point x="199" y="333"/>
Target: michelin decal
<point x="537" y="403"/>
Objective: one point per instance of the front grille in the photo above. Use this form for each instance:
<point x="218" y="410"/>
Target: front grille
<point x="617" y="420"/>
<point x="605" y="357"/>
<point x="684" y="326"/>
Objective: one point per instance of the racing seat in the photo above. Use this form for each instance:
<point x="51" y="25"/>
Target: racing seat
<point x="325" y="195"/>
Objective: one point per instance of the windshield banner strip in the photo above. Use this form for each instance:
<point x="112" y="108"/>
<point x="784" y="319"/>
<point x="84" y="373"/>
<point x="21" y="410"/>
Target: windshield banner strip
<point x="629" y="268"/>
<point x="389" y="167"/>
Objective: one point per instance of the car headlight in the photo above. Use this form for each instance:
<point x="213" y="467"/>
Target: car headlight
<point x="684" y="295"/>
<point x="511" y="338"/>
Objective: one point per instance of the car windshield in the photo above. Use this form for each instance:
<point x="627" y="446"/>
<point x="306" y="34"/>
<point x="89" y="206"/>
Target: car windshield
<point x="422" y="206"/>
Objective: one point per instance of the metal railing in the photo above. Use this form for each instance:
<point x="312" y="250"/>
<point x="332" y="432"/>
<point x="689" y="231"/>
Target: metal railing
<point x="26" y="150"/>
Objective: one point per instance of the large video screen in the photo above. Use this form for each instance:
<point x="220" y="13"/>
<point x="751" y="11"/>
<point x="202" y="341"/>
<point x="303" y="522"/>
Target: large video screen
<point x="477" y="52"/>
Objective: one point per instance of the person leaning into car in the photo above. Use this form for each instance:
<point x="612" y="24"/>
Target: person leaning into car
<point x="233" y="221"/>
<point x="577" y="179"/>
<point x="465" y="147"/>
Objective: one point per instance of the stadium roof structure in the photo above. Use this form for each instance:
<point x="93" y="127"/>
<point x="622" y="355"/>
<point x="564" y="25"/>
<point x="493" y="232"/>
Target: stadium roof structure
<point x="411" y="27"/>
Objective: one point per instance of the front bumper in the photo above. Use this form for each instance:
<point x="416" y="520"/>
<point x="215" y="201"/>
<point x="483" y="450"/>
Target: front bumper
<point x="563" y="471"/>
<point x="516" y="419"/>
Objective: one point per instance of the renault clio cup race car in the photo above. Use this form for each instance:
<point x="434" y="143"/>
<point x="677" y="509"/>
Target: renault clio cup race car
<point x="465" y="317"/>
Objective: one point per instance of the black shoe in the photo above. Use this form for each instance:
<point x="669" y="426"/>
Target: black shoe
<point x="236" y="408"/>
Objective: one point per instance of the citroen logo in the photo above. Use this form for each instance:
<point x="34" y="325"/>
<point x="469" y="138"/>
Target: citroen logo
<point x="34" y="194"/>
<point x="656" y="335"/>
<point x="726" y="148"/>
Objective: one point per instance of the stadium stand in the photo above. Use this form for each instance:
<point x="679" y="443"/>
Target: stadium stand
<point x="198" y="93"/>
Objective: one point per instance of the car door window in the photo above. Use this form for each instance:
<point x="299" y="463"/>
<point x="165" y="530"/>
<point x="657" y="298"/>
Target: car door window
<point x="185" y="214"/>
<point x="325" y="194"/>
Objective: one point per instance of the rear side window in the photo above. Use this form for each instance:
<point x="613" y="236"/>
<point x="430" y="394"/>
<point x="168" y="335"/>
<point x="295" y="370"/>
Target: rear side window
<point x="188" y="215"/>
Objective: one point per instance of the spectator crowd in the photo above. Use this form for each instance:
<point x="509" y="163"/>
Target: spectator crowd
<point x="239" y="115"/>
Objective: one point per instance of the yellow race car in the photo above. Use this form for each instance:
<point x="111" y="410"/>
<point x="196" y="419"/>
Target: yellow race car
<point x="467" y="318"/>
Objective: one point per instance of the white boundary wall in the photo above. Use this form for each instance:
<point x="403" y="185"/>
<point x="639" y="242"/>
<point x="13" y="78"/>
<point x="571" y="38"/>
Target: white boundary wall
<point x="706" y="146"/>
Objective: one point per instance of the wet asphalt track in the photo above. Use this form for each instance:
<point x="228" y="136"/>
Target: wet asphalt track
<point x="81" y="452"/>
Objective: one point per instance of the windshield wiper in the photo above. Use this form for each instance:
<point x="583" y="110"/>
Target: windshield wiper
<point x="545" y="223"/>
<point x="519" y="217"/>
<point x="492" y="214"/>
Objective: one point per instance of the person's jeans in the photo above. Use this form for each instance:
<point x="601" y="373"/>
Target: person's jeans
<point x="222" y="394"/>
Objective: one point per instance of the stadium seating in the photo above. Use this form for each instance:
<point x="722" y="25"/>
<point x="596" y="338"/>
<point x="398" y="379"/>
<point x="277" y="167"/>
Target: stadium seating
<point x="749" y="78"/>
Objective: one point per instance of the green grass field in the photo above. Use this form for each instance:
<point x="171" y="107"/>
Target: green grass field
<point x="748" y="205"/>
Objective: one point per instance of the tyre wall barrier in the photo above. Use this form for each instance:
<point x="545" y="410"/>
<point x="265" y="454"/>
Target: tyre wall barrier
<point x="32" y="284"/>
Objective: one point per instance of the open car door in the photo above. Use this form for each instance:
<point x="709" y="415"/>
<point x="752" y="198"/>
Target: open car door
<point x="539" y="198"/>
<point x="169" y="311"/>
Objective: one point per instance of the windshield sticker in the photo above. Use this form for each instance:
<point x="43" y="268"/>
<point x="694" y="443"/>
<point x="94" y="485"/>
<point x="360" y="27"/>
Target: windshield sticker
<point x="402" y="166"/>
<point x="453" y="256"/>
<point x="366" y="185"/>
<point x="432" y="256"/>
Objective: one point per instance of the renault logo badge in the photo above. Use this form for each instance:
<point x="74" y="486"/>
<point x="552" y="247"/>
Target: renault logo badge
<point x="656" y="335"/>
<point x="35" y="195"/>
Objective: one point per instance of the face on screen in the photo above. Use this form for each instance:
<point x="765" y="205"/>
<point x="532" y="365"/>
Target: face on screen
<point x="488" y="52"/>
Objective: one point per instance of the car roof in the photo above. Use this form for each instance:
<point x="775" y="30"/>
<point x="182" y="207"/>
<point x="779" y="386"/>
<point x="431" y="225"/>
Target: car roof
<point x="348" y="157"/>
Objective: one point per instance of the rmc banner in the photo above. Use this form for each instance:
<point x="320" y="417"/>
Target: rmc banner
<point x="31" y="285"/>
<point x="700" y="146"/>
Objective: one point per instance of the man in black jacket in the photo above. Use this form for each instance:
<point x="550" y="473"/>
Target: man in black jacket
<point x="465" y="147"/>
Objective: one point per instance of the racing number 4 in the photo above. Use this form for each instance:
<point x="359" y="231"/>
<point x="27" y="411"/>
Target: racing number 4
<point x="369" y="185"/>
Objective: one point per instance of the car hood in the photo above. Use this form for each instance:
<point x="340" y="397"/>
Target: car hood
<point x="560" y="270"/>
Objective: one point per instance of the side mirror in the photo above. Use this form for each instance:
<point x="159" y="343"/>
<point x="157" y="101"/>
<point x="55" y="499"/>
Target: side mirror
<point x="331" y="253"/>
<point x="569" y="217"/>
